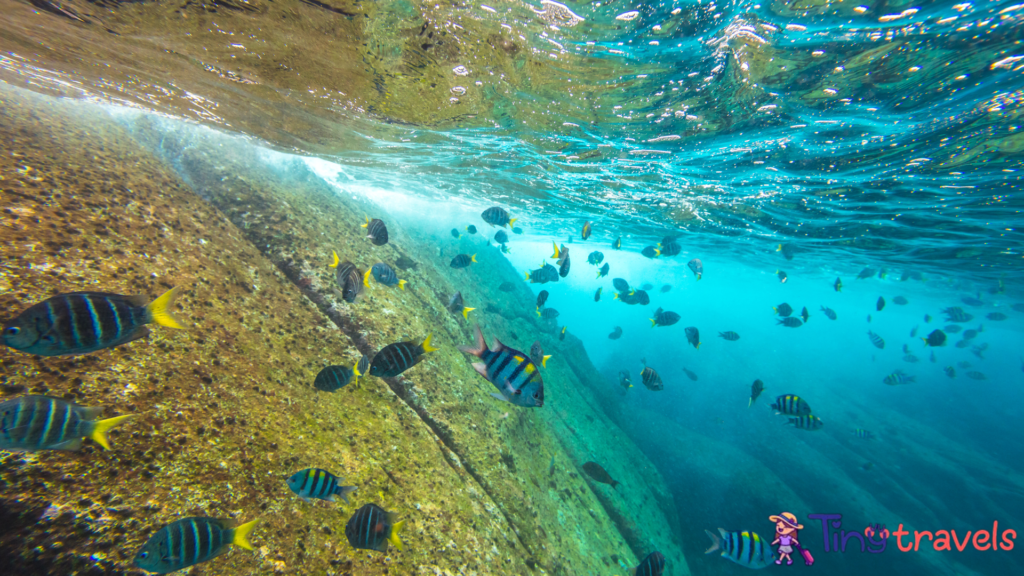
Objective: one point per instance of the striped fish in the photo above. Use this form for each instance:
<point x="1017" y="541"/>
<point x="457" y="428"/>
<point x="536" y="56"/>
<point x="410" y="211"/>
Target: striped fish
<point x="898" y="377"/>
<point x="789" y="322"/>
<point x="363" y="366"/>
<point x="587" y="229"/>
<point x="876" y="340"/>
<point x="191" y="541"/>
<point x="510" y="371"/>
<point x="671" y="248"/>
<point x="950" y="371"/>
<point x="864" y="434"/>
<point x="974" y="375"/>
<point x="398" y="357"/>
<point x="693" y="336"/>
<point x="333" y="378"/>
<point x="316" y="483"/>
<point x="730" y="336"/>
<point x="497" y="216"/>
<point x="376" y="231"/>
<point x="547" y="313"/>
<point x="384" y="274"/>
<point x="83" y="322"/>
<point x="653" y="565"/>
<point x="462" y="260"/>
<point x="830" y="313"/>
<point x="744" y="548"/>
<point x="372" y="527"/>
<point x="650" y="378"/>
<point x="349" y="278"/>
<point x="791" y="405"/>
<point x="31" y="423"/>
<point x="957" y="314"/>
<point x="662" y="318"/>
<point x="807" y="422"/>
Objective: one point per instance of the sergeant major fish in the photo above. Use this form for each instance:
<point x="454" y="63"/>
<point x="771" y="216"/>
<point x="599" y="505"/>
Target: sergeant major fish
<point x="83" y="322"/>
<point x="191" y="541"/>
<point x="650" y="377"/>
<point x="497" y="216"/>
<point x="384" y="274"/>
<point x="791" y="405"/>
<point x="783" y="309"/>
<point x="876" y="340"/>
<point x="597" y="295"/>
<point x="789" y="322"/>
<point x="372" y="528"/>
<point x="898" y="377"/>
<point x="729" y="336"/>
<point x="742" y="547"/>
<point x="662" y="318"/>
<point x="321" y="484"/>
<point x="828" y="312"/>
<point x="807" y="422"/>
<point x="31" y="423"/>
<point x="510" y="371"/>
<point x="462" y="261"/>
<point x="376" y="231"/>
<point x="349" y="279"/>
<point x="398" y="357"/>
<point x="652" y="565"/>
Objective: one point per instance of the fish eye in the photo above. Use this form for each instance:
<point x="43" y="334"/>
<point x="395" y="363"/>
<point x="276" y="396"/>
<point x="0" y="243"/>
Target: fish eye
<point x="12" y="331"/>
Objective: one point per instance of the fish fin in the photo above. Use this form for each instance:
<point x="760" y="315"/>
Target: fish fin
<point x="393" y="537"/>
<point x="480" y="368"/>
<point x="426" y="345"/>
<point x="366" y="277"/>
<point x="240" y="535"/>
<point x="779" y="249"/>
<point x="538" y="311"/>
<point x="699" y="276"/>
<point x="653" y="322"/>
<point x="716" y="542"/>
<point x="544" y="361"/>
<point x="160" y="310"/>
<point x="527" y="274"/>
<point x="101" y="427"/>
<point x="616" y="296"/>
<point x="73" y="445"/>
<point x="478" y="349"/>
<point x="657" y="252"/>
<point x="500" y="397"/>
<point x="465" y="311"/>
<point x="355" y="370"/>
<point x="367" y="223"/>
<point x="336" y="261"/>
<point x="512" y="221"/>
<point x="402" y="283"/>
<point x="473" y="257"/>
<point x="344" y="491"/>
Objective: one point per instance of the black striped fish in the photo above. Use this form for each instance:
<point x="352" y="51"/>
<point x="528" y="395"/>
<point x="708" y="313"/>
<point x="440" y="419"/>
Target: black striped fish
<point x="83" y="322"/>
<point x="349" y="279"/>
<point x="497" y="216"/>
<point x="744" y="548"/>
<point x="620" y="284"/>
<point x="587" y="229"/>
<point x="398" y="357"/>
<point x="191" y="541"/>
<point x="830" y="313"/>
<point x="730" y="336"/>
<point x="372" y="527"/>
<point x="547" y="313"/>
<point x="864" y="434"/>
<point x="755" y="390"/>
<point x="456" y="305"/>
<point x="363" y="366"/>
<point x="950" y="371"/>
<point x="807" y="422"/>
<point x="650" y="252"/>
<point x="898" y="377"/>
<point x="31" y="423"/>
<point x="333" y="378"/>
<point x="693" y="336"/>
<point x="376" y="231"/>
<point x="653" y="565"/>
<point x="956" y="314"/>
<point x="650" y="378"/>
<point x="662" y="318"/>
<point x="876" y="340"/>
<point x="510" y="371"/>
<point x="791" y="405"/>
<point x="789" y="322"/>
<point x="462" y="260"/>
<point x="384" y="274"/>
<point x="316" y="483"/>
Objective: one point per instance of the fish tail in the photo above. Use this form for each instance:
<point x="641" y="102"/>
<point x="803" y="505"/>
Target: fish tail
<point x="699" y="276"/>
<point x="925" y="341"/>
<point x="465" y="312"/>
<point x="527" y="274"/>
<point x="367" y="223"/>
<point x="336" y="261"/>
<point x="101" y="427"/>
<point x="355" y="370"/>
<point x="512" y="221"/>
<point x="544" y="361"/>
<point x="657" y="252"/>
<point x="555" y="246"/>
<point x="751" y="402"/>
<point x="716" y="542"/>
<point x="402" y="283"/>
<point x="477" y="349"/>
<point x="240" y="535"/>
<point x="344" y="491"/>
<point x="653" y="322"/>
<point x="473" y="257"/>
<point x="393" y="537"/>
<point x="426" y="345"/>
<point x="697" y="346"/>
<point x="779" y="249"/>
<point x="366" y="277"/>
<point x="538" y="311"/>
<point x="616" y="296"/>
<point x="160" y="310"/>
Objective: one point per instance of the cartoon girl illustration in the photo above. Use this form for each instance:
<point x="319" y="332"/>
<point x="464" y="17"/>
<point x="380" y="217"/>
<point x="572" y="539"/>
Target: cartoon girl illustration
<point x="786" y="528"/>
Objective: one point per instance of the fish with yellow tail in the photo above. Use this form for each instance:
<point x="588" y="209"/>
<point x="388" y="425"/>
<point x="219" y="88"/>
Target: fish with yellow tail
<point x="203" y="538"/>
<point x="512" y="372"/>
<point x="398" y="357"/>
<point x="32" y="423"/>
<point x="373" y="528"/>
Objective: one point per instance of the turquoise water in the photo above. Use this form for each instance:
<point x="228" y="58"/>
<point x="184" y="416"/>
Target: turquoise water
<point x="886" y="138"/>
